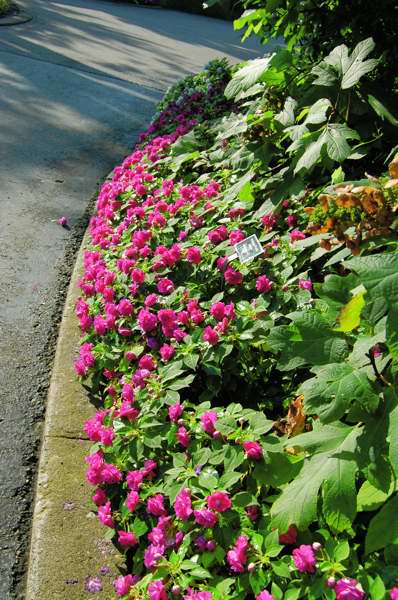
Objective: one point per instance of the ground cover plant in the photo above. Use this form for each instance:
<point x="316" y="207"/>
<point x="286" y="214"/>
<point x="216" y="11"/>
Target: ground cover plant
<point x="246" y="442"/>
<point x="5" y="6"/>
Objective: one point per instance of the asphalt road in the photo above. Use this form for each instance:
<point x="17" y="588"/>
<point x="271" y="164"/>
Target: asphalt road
<point x="77" y="84"/>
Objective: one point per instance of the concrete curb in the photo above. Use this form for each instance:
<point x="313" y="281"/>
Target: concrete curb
<point x="67" y="544"/>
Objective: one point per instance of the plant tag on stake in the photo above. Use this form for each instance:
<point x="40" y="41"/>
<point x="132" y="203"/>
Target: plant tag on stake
<point x="247" y="249"/>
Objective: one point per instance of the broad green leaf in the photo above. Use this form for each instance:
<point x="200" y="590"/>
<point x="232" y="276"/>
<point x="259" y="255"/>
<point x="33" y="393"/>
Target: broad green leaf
<point x="247" y="76"/>
<point x="185" y="144"/>
<point x="381" y="110"/>
<point x="331" y="471"/>
<point x="358" y="66"/>
<point x="336" y="137"/>
<point x="334" y="388"/>
<point x="317" y="112"/>
<point x="393" y="432"/>
<point x="383" y="528"/>
<point x="379" y="275"/>
<point x="308" y="340"/>
<point x="286" y="116"/>
<point x="370" y="498"/>
<point x="350" y="315"/>
<point x="392" y="330"/>
<point x="311" y="154"/>
<point x="233" y="191"/>
<point x="323" y="438"/>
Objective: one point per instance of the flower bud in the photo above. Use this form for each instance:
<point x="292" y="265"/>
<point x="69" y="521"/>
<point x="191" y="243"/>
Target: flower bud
<point x="250" y="567"/>
<point x="331" y="582"/>
<point x="316" y="546"/>
<point x="180" y="422"/>
<point x="176" y="590"/>
<point x="211" y="546"/>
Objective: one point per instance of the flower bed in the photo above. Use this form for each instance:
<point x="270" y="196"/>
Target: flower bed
<point x="236" y="452"/>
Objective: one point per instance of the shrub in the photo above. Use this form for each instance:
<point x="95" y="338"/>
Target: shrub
<point x="245" y="446"/>
<point x="5" y="6"/>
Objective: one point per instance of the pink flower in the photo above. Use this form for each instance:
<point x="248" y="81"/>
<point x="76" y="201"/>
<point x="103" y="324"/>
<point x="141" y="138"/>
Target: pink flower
<point x="208" y="420"/>
<point x="304" y="558"/>
<point x="122" y="584"/>
<point x="348" y="589"/>
<point x="100" y="497"/>
<point x="63" y="221"/>
<point x="134" y="480"/>
<point x="268" y="221"/>
<point x="100" y="325"/>
<point x="217" y="311"/>
<point x="236" y="236"/>
<point x="175" y="411"/>
<point x="237" y="557"/>
<point x="125" y="538"/>
<point x="290" y="220"/>
<point x="147" y="362"/>
<point x="183" y="437"/>
<point x="218" y="235"/>
<point x="183" y="504"/>
<point x="132" y="500"/>
<point x="165" y="286"/>
<point x="219" y="501"/>
<point x="125" y="308"/>
<point x="296" y="235"/>
<point x="194" y="255"/>
<point x="253" y="450"/>
<point x="155" y="505"/>
<point x="152" y="555"/>
<point x="263" y="284"/>
<point x="305" y="284"/>
<point x="167" y="352"/>
<point x="210" y="335"/>
<point x="394" y="593"/>
<point x="147" y="320"/>
<point x="157" y="591"/>
<point x="205" y="517"/>
<point x="264" y="596"/>
<point x="233" y="277"/>
<point x="289" y="537"/>
<point x="138" y="276"/>
<point x="105" y="515"/>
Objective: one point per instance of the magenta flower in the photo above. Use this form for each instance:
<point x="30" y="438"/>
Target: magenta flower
<point x="157" y="591"/>
<point x="264" y="596"/>
<point x="237" y="557"/>
<point x="100" y="497"/>
<point x="126" y="538"/>
<point x="146" y="320"/>
<point x="210" y="335"/>
<point x="253" y="450"/>
<point x="122" y="585"/>
<point x="217" y="311"/>
<point x="208" y="420"/>
<point x="125" y="308"/>
<point x="132" y="500"/>
<point x="394" y="593"/>
<point x="205" y="517"/>
<point x="219" y="501"/>
<point x="263" y="284"/>
<point x="304" y="559"/>
<point x="165" y="286"/>
<point x="296" y="235"/>
<point x="63" y="221"/>
<point x="348" y="589"/>
<point x="175" y="411"/>
<point x="155" y="505"/>
<point x="233" y="277"/>
<point x="167" y="352"/>
<point x="183" y="437"/>
<point x="305" y="284"/>
<point x="289" y="537"/>
<point x="183" y="504"/>
<point x="253" y="512"/>
<point x="194" y="255"/>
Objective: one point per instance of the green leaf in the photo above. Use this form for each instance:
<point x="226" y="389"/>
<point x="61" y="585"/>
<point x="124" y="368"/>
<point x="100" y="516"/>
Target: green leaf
<point x="286" y="116"/>
<point x="208" y="478"/>
<point x="311" y="154"/>
<point x="350" y="315"/>
<point x="317" y="112"/>
<point x="336" y="137"/>
<point x="358" y="67"/>
<point x="247" y="76"/>
<point x="308" y="340"/>
<point x="381" y="110"/>
<point x="342" y="551"/>
<point x="393" y="432"/>
<point x="331" y="471"/>
<point x="334" y="388"/>
<point x="370" y="498"/>
<point x="185" y="144"/>
<point x="383" y="528"/>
